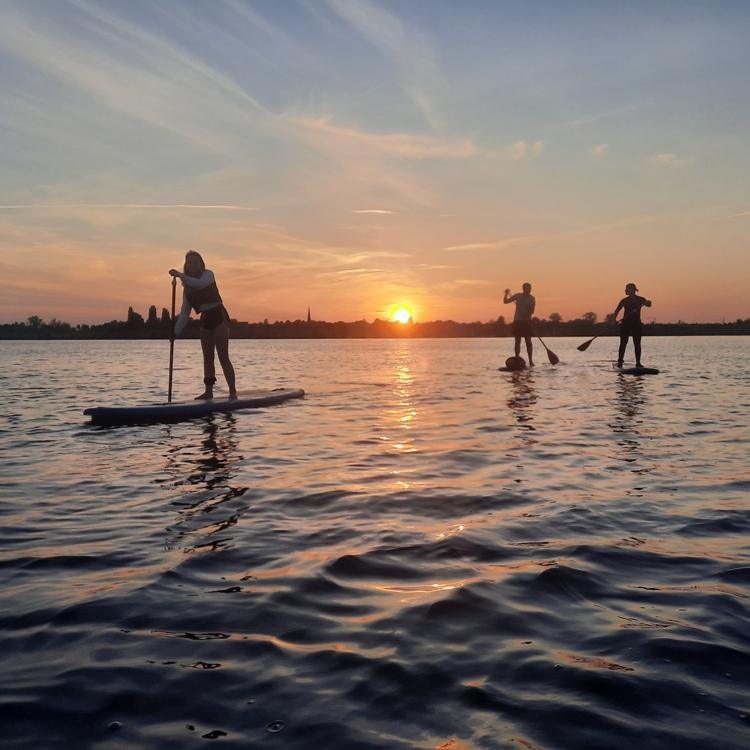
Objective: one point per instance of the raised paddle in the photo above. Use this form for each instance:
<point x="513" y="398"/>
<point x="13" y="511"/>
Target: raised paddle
<point x="586" y="344"/>
<point x="553" y="358"/>
<point x="171" y="340"/>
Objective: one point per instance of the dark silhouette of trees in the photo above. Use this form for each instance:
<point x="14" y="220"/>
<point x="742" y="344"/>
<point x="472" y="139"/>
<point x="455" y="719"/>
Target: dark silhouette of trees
<point x="134" y="327"/>
<point x="152" y="321"/>
<point x="135" y="320"/>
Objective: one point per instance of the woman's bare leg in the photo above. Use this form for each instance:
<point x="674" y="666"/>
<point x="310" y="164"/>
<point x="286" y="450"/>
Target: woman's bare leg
<point x="221" y="340"/>
<point x="637" y="347"/>
<point x="209" y="368"/>
<point x="623" y="347"/>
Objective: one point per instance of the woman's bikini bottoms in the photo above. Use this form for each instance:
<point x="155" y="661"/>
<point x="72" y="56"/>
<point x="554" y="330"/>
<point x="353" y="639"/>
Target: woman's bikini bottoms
<point x="213" y="318"/>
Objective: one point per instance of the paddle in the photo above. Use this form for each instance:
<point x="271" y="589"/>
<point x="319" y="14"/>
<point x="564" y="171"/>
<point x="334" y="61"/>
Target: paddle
<point x="553" y="358"/>
<point x="171" y="340"/>
<point x="586" y="344"/>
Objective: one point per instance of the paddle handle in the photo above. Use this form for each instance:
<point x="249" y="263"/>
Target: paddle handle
<point x="171" y="340"/>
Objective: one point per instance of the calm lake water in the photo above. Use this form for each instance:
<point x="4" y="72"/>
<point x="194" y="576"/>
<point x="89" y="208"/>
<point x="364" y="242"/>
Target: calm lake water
<point x="423" y="552"/>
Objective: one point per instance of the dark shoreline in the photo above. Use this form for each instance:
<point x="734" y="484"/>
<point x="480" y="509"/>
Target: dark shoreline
<point x="136" y="328"/>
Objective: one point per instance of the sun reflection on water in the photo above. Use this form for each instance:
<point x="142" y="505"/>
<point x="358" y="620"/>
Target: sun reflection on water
<point x="404" y="412"/>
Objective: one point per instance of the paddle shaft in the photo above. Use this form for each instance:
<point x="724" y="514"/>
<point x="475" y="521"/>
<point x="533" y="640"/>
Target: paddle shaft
<point x="171" y="340"/>
<point x="586" y="344"/>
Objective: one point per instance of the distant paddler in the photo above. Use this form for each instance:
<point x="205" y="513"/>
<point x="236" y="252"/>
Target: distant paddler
<point x="631" y="324"/>
<point x="525" y="305"/>
<point x="201" y="294"/>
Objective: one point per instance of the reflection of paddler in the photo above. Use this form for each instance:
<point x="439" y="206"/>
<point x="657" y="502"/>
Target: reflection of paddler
<point x="525" y="305"/>
<point x="631" y="324"/>
<point x="201" y="294"/>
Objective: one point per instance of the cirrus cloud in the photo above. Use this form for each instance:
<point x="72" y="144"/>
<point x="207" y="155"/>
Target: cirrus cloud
<point x="670" y="160"/>
<point x="401" y="145"/>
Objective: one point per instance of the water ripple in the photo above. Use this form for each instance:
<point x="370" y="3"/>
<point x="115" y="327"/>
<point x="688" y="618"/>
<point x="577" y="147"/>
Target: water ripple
<point x="422" y="553"/>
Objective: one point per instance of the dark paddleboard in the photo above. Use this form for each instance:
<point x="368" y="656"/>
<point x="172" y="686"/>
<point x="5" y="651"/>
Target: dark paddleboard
<point x="183" y="410"/>
<point x="636" y="370"/>
<point x="512" y="369"/>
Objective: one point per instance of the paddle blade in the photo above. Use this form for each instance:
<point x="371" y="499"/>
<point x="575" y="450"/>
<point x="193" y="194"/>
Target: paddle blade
<point x="553" y="358"/>
<point x="585" y="345"/>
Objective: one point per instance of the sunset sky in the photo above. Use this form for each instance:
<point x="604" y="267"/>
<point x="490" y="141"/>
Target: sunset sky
<point x="352" y="155"/>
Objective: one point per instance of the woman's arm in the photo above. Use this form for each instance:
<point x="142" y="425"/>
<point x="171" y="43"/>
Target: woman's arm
<point x="183" y="317"/>
<point x="206" y="278"/>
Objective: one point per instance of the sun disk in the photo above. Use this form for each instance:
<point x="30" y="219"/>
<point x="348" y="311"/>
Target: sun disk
<point x="401" y="314"/>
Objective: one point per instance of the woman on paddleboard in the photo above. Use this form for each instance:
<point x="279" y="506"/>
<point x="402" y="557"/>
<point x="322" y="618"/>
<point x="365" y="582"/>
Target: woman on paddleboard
<point x="199" y="293"/>
<point x="631" y="324"/>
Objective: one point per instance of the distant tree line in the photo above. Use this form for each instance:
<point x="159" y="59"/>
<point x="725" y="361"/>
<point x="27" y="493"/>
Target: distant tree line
<point x="134" y="327"/>
<point x="159" y="327"/>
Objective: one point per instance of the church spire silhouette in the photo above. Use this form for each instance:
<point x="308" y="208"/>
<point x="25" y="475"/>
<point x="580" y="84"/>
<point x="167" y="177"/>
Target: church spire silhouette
<point x="309" y="319"/>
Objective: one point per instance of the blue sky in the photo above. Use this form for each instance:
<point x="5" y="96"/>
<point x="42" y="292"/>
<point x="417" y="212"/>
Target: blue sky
<point x="352" y="155"/>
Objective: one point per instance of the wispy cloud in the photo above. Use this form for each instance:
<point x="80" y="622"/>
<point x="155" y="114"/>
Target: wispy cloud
<point x="517" y="151"/>
<point x="670" y="160"/>
<point x="733" y="216"/>
<point x="615" y="113"/>
<point x="400" y="145"/>
<point x="407" y="48"/>
<point x="532" y="239"/>
<point x="361" y="256"/>
<point x="499" y="244"/>
<point x="599" y="150"/>
<point x="57" y="206"/>
<point x="371" y="211"/>
<point x="323" y="134"/>
<point x="136" y="72"/>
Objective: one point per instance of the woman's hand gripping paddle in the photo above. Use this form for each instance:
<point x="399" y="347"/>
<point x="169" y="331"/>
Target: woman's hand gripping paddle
<point x="171" y="340"/>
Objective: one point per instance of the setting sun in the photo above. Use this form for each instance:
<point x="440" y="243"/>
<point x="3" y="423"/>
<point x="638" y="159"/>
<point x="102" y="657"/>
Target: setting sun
<point x="401" y="314"/>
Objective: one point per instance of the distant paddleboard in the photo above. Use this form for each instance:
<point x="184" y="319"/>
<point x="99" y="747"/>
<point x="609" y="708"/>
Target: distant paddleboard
<point x="636" y="370"/>
<point x="183" y="410"/>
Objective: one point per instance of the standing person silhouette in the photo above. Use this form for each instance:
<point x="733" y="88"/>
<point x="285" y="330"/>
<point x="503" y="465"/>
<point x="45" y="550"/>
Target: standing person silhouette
<point x="200" y="293"/>
<point x="525" y="305"/>
<point x="631" y="324"/>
